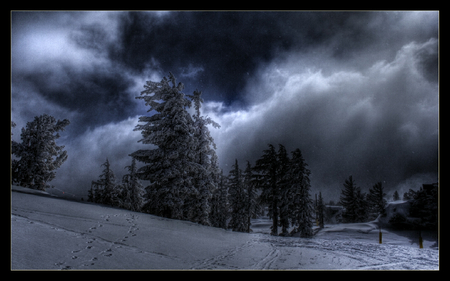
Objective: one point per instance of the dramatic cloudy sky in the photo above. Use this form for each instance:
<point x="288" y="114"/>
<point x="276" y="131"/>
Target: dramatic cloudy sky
<point x="357" y="92"/>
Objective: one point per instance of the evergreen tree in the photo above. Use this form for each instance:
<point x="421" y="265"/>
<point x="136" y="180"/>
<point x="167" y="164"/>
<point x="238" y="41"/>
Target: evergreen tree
<point x="361" y="206"/>
<point x="205" y="179"/>
<point x="284" y="187"/>
<point x="252" y="205"/>
<point x="91" y="195"/>
<point x="219" y="204"/>
<point x="424" y="205"/>
<point x="106" y="191"/>
<point x="301" y="206"/>
<point x="39" y="155"/>
<point x="238" y="200"/>
<point x="376" y="201"/>
<point x="170" y="167"/>
<point x="348" y="201"/>
<point x="396" y="197"/>
<point x="409" y="195"/>
<point x="133" y="190"/>
<point x="267" y="179"/>
<point x="320" y="210"/>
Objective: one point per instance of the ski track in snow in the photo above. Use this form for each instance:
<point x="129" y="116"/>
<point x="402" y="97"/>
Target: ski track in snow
<point x="358" y="255"/>
<point x="268" y="260"/>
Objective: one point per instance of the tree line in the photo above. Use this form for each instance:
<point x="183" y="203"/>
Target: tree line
<point x="185" y="181"/>
<point x="359" y="206"/>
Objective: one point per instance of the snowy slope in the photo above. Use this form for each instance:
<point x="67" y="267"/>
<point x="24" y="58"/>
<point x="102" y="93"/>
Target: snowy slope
<point x="52" y="233"/>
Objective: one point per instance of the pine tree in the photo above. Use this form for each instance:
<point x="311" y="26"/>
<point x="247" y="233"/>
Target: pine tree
<point x="39" y="155"/>
<point x="252" y="204"/>
<point x="361" y="206"/>
<point x="238" y="200"/>
<point x="133" y="190"/>
<point x="170" y="167"/>
<point x="348" y="201"/>
<point x="219" y="203"/>
<point x="106" y="191"/>
<point x="284" y="187"/>
<point x="376" y="201"/>
<point x="223" y="205"/>
<point x="91" y="195"/>
<point x="301" y="205"/>
<point x="396" y="197"/>
<point x="320" y="210"/>
<point x="205" y="179"/>
<point x="267" y="180"/>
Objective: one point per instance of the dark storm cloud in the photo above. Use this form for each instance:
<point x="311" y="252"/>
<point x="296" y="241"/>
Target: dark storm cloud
<point x="356" y="92"/>
<point x="227" y="46"/>
<point x="100" y="95"/>
<point x="377" y="124"/>
<point x="60" y="58"/>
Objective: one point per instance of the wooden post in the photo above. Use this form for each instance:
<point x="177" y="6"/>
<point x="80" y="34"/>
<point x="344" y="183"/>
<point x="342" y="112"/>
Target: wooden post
<point x="380" y="237"/>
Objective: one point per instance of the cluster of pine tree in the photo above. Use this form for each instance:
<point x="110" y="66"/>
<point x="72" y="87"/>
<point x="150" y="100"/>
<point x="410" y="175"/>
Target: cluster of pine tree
<point x="128" y="194"/>
<point x="276" y="181"/>
<point x="285" y="189"/>
<point x="423" y="206"/>
<point x="242" y="199"/>
<point x="359" y="206"/>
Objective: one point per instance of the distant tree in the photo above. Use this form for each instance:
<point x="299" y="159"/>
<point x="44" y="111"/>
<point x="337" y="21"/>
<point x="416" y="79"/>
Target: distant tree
<point x="219" y="204"/>
<point x="353" y="200"/>
<point x="252" y="204"/>
<point x="267" y="179"/>
<point x="361" y="206"/>
<point x="38" y="154"/>
<point x="284" y="185"/>
<point x="320" y="210"/>
<point x="133" y="191"/>
<point x="91" y="196"/>
<point x="106" y="191"/>
<point x="396" y="197"/>
<point x="409" y="195"/>
<point x="376" y="201"/>
<point x="424" y="205"/>
<point x="301" y="204"/>
<point x="238" y="200"/>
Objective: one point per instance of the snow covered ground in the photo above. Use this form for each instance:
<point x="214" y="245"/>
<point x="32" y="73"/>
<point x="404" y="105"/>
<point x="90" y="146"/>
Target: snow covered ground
<point x="53" y="233"/>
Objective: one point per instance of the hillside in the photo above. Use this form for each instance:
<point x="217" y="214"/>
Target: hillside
<point x="53" y="233"/>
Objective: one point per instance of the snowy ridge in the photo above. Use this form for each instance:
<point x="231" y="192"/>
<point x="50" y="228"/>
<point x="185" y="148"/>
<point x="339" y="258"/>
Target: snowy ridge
<point x="50" y="233"/>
